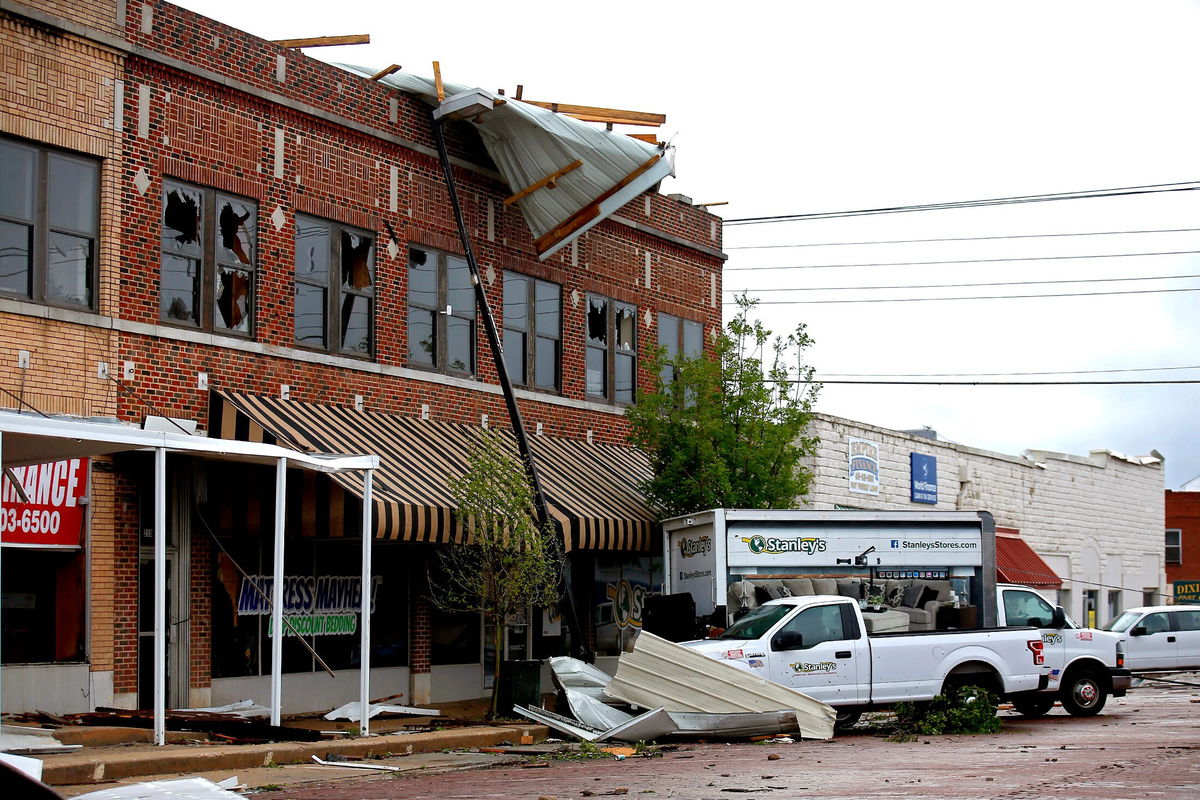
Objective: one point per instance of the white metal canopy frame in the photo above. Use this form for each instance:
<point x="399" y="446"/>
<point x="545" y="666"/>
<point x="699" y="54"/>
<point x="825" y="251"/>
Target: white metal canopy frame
<point x="26" y="439"/>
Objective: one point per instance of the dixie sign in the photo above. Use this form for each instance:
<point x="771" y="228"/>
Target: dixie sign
<point x="54" y="515"/>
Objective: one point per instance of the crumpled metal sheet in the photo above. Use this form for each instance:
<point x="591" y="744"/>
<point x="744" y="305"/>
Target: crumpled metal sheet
<point x="661" y="673"/>
<point x="528" y="143"/>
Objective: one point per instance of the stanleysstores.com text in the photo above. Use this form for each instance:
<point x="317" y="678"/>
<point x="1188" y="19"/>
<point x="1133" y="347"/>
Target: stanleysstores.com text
<point x="940" y="545"/>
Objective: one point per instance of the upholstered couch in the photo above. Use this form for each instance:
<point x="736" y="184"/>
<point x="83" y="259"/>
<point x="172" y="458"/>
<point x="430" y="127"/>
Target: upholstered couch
<point x="917" y="598"/>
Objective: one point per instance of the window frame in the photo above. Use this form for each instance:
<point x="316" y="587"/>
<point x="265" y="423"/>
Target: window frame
<point x="612" y="348"/>
<point x="206" y="297"/>
<point x="336" y="291"/>
<point x="41" y="228"/>
<point x="674" y="349"/>
<point x="533" y="337"/>
<point x="1177" y="546"/>
<point x="439" y="317"/>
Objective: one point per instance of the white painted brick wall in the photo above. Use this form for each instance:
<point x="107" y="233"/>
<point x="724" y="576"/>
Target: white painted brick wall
<point x="1098" y="519"/>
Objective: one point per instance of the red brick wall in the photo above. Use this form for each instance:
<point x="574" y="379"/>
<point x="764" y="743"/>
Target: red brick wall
<point x="200" y="619"/>
<point x="1183" y="512"/>
<point x="125" y="533"/>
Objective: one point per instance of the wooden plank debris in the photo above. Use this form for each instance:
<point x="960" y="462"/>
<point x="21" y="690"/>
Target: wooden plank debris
<point x="548" y="181"/>
<point x="599" y="114"/>
<point x="437" y="79"/>
<point x="590" y="211"/>
<point x="325" y="41"/>
<point x="383" y="73"/>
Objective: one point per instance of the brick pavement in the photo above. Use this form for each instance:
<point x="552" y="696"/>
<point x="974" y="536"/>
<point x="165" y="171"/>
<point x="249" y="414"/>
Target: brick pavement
<point x="1145" y="746"/>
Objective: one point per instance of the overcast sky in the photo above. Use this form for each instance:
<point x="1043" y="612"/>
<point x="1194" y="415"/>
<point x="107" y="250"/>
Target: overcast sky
<point x="829" y="106"/>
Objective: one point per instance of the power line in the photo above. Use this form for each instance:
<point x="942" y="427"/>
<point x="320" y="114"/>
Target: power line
<point x="987" y="383"/>
<point x="998" y="374"/>
<point x="959" y="239"/>
<point x="978" y="297"/>
<point x="957" y="285"/>
<point x="961" y="261"/>
<point x="1183" y="186"/>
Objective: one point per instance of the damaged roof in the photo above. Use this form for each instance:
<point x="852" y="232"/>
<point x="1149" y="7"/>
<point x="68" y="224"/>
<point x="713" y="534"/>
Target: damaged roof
<point x="566" y="175"/>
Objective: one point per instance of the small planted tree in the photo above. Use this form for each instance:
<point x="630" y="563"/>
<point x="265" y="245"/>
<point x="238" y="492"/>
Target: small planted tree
<point x="508" y="562"/>
<point x="726" y="428"/>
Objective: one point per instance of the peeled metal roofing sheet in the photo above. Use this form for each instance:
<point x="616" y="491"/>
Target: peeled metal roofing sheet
<point x="661" y="673"/>
<point x="527" y="143"/>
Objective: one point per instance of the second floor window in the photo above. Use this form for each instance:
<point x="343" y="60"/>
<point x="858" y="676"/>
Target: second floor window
<point x="678" y="337"/>
<point x="532" y="331"/>
<point x="441" y="311"/>
<point x="49" y="217"/>
<point x="610" y="364"/>
<point x="335" y="287"/>
<point x="1174" y="549"/>
<point x="209" y="241"/>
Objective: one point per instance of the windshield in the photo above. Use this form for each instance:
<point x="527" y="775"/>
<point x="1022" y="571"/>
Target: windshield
<point x="1122" y="623"/>
<point x="756" y="624"/>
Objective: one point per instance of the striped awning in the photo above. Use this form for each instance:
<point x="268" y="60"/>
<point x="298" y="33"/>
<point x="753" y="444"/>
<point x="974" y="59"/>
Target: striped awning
<point x="1017" y="562"/>
<point x="591" y="489"/>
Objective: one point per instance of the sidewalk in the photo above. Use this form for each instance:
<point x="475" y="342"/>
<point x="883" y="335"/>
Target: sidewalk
<point x="118" y="754"/>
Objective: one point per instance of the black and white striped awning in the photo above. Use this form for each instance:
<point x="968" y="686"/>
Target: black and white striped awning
<point x="591" y="488"/>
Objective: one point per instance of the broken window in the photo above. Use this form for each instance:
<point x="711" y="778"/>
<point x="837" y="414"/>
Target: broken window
<point x="49" y="207"/>
<point x="441" y="311"/>
<point x="532" y="331"/>
<point x="208" y="253"/>
<point x="610" y="363"/>
<point x="335" y="287"/>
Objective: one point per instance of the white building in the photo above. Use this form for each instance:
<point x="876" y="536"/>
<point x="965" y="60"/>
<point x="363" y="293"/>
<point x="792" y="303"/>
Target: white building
<point x="1096" y="520"/>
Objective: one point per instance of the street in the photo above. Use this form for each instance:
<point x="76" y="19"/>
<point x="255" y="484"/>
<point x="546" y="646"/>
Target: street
<point x="1146" y="745"/>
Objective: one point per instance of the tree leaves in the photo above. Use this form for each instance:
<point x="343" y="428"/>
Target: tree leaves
<point x="726" y="429"/>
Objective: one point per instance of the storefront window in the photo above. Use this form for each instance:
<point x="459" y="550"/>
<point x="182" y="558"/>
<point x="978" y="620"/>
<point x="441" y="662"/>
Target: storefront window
<point x="44" y="602"/>
<point x="455" y="637"/>
<point x="322" y="597"/>
<point x="622" y="583"/>
<point x="43" y="606"/>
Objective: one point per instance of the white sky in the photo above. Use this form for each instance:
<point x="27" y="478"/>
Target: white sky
<point x="825" y="106"/>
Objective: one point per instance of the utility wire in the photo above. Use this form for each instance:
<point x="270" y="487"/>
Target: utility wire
<point x="958" y="239"/>
<point x="974" y="297"/>
<point x="961" y="261"/>
<point x="996" y="374"/>
<point x="956" y="285"/>
<point x="1184" y="186"/>
<point x="982" y="383"/>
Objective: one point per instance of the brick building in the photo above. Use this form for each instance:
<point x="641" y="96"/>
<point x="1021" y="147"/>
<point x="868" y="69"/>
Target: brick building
<point x="1092" y="521"/>
<point x="1182" y="543"/>
<point x="200" y="225"/>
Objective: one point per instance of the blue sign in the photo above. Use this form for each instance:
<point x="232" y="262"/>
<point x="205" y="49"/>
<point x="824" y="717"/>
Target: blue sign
<point x="924" y="478"/>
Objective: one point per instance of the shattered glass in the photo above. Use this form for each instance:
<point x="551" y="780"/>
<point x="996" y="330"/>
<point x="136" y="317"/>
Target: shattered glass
<point x="232" y="311"/>
<point x="182" y="221"/>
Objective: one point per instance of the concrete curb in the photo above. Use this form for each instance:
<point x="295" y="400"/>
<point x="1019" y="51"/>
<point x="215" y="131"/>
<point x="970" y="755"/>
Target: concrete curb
<point x="67" y="769"/>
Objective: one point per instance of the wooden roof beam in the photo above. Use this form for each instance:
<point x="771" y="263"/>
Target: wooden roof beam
<point x="549" y="180"/>
<point x="598" y="114"/>
<point x="383" y="73"/>
<point x="325" y="41"/>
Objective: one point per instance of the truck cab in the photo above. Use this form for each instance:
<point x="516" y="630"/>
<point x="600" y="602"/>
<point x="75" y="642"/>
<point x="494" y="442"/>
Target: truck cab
<point x="1086" y="665"/>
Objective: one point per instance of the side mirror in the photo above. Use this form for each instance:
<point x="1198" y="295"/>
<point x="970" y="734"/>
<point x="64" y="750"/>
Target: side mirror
<point x="787" y="640"/>
<point x="1140" y="630"/>
<point x="1059" y="620"/>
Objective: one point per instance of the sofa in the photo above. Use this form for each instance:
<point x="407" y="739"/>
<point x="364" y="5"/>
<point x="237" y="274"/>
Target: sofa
<point x="917" y="598"/>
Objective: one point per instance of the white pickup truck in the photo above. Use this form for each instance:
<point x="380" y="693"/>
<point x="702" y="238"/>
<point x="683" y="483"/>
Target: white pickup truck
<point x="818" y="645"/>
<point x="1086" y="665"/>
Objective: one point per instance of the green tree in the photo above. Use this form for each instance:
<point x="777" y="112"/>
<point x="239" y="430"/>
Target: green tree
<point x="726" y="428"/>
<point x="508" y="562"/>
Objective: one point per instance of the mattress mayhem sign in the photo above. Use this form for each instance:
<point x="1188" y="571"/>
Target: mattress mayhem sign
<point x="54" y="515"/>
<point x="313" y="606"/>
<point x="864" y="465"/>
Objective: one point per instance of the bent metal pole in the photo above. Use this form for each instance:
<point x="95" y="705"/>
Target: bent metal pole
<point x="510" y="400"/>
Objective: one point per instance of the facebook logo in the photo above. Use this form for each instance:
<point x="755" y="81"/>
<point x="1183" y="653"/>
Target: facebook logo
<point x="895" y="543"/>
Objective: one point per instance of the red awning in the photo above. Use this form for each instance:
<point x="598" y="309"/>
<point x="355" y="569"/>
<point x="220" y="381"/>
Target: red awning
<point x="1016" y="562"/>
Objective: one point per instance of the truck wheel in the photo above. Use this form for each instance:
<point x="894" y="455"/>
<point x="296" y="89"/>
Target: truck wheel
<point x="846" y="718"/>
<point x="1036" y="706"/>
<point x="1084" y="693"/>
